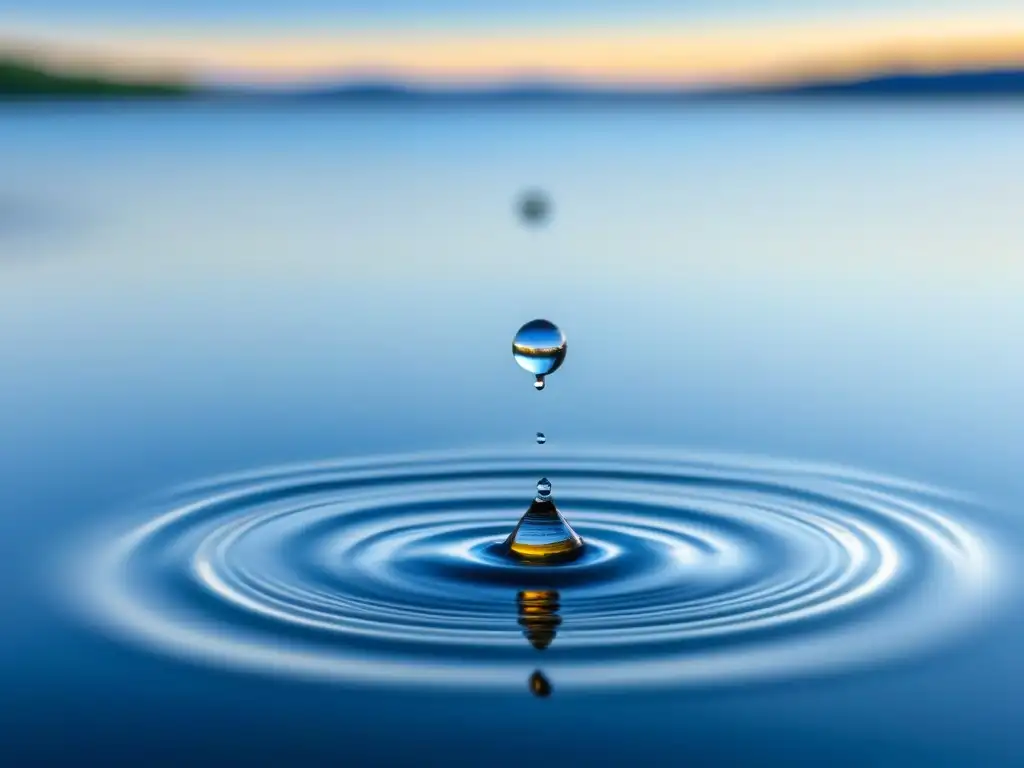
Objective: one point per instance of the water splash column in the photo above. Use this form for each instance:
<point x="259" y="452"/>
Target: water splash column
<point x="542" y="535"/>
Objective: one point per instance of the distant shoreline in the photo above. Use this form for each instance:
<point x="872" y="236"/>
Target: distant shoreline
<point x="21" y="81"/>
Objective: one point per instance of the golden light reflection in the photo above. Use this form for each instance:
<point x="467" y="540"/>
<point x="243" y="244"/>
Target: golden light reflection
<point x="538" y="616"/>
<point x="540" y="686"/>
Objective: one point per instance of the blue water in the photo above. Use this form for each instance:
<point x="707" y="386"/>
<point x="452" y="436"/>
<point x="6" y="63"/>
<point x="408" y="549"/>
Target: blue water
<point x="259" y="427"/>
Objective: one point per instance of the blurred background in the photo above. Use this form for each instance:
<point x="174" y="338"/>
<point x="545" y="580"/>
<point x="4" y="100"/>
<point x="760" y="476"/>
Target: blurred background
<point x="245" y="233"/>
<point x="108" y="47"/>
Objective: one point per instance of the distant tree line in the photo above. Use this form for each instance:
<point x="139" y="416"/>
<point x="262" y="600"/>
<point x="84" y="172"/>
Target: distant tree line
<point x="19" y="79"/>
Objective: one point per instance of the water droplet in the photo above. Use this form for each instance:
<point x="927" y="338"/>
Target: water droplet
<point x="541" y="439"/>
<point x="539" y="347"/>
<point x="534" y="207"/>
<point x="543" y="535"/>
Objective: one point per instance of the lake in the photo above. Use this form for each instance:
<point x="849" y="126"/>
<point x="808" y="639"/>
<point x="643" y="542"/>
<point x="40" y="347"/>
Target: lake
<point x="261" y="430"/>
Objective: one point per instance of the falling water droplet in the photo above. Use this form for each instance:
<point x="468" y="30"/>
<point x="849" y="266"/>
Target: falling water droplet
<point x="543" y="488"/>
<point x="541" y="439"/>
<point x="539" y="347"/>
<point x="534" y="207"/>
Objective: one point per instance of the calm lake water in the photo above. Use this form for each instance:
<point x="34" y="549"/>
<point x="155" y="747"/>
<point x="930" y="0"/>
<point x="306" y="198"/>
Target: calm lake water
<point x="260" y="424"/>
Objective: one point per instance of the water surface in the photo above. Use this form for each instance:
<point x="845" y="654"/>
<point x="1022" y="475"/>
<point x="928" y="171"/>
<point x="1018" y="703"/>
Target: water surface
<point x="823" y="302"/>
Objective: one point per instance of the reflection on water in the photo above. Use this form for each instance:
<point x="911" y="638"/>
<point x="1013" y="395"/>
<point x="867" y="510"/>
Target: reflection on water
<point x="540" y="686"/>
<point x="264" y="286"/>
<point x="538" y="616"/>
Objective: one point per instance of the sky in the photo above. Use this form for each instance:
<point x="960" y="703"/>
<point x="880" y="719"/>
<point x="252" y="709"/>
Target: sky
<point x="469" y="41"/>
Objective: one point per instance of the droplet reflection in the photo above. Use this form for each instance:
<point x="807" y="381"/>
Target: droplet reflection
<point x="540" y="686"/>
<point x="538" y="615"/>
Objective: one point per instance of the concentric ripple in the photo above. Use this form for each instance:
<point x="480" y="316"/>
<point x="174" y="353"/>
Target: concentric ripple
<point x="697" y="570"/>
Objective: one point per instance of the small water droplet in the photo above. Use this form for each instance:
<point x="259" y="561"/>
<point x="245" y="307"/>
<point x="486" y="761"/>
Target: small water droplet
<point x="539" y="347"/>
<point x="534" y="207"/>
<point x="543" y="488"/>
<point x="539" y="383"/>
<point x="541" y="439"/>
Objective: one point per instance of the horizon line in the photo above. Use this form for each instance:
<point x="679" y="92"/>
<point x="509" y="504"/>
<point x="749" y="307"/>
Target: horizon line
<point x="722" y="56"/>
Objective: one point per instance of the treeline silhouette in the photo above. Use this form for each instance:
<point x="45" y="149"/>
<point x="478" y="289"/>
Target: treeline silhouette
<point x="22" y="79"/>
